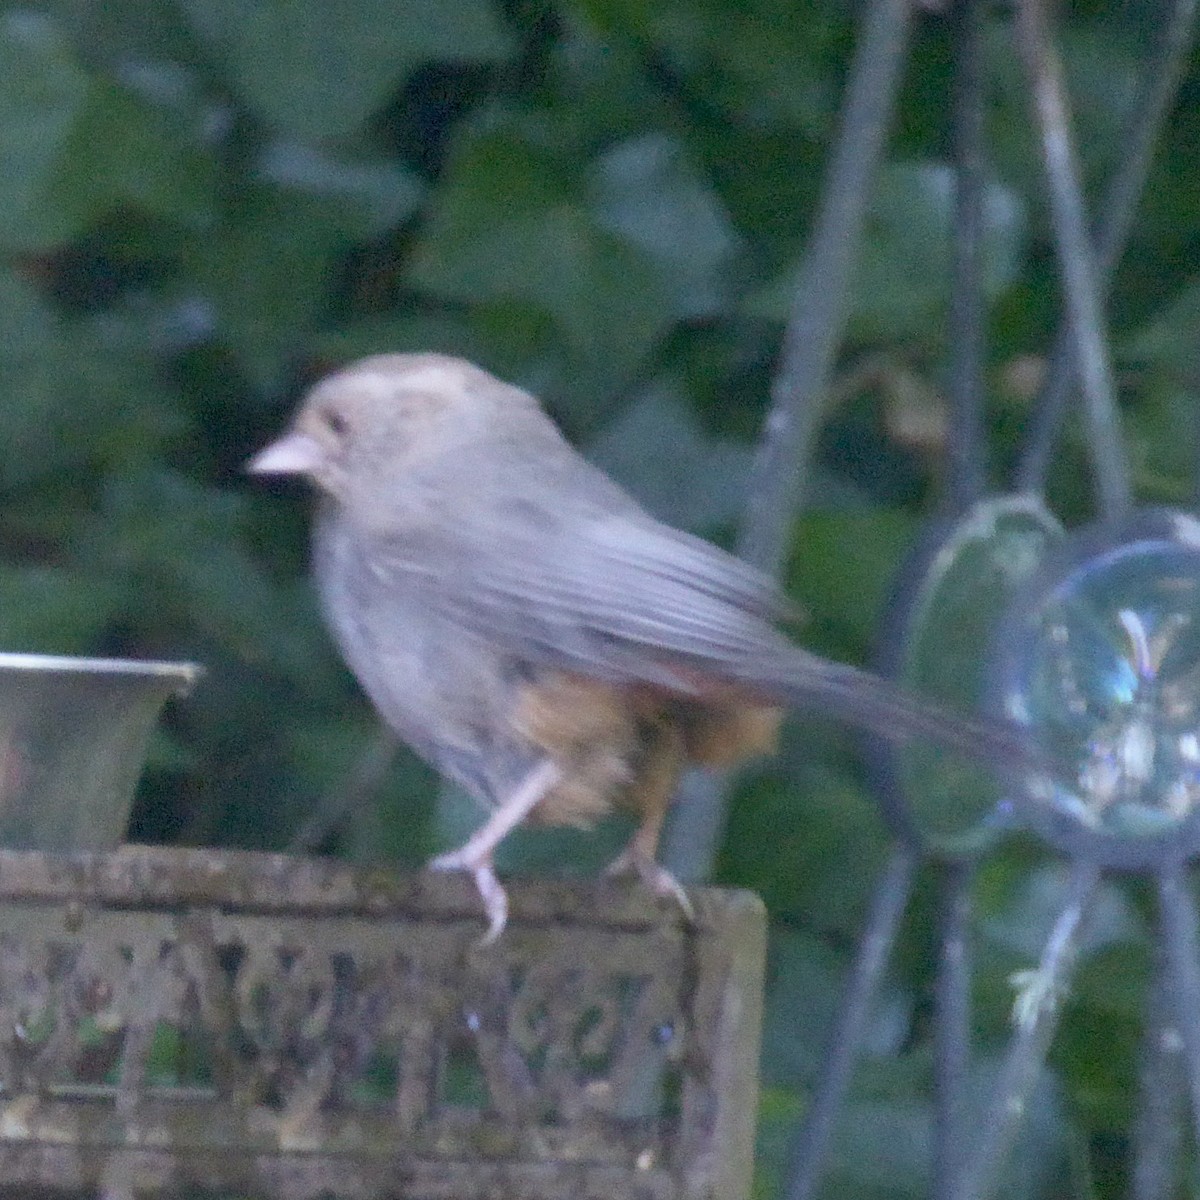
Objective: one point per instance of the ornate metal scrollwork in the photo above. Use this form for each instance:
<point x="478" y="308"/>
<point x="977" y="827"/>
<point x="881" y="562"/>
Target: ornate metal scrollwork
<point x="290" y="1027"/>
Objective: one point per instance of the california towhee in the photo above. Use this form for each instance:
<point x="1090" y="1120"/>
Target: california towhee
<point x="527" y="628"/>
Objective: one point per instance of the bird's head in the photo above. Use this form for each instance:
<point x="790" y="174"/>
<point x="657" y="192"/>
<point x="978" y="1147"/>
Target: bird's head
<point x="372" y="423"/>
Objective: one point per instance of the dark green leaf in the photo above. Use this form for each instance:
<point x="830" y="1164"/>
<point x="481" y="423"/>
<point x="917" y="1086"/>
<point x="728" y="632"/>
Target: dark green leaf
<point x="658" y="450"/>
<point x="363" y="198"/>
<point x="319" y="72"/>
<point x="510" y="223"/>
<point x="43" y="91"/>
<point x="842" y="567"/>
<point x="647" y="193"/>
<point x="902" y="281"/>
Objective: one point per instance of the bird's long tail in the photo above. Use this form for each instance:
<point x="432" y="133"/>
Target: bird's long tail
<point x="811" y="684"/>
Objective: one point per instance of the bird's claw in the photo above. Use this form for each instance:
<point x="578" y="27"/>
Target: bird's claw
<point x="654" y="876"/>
<point x="491" y="890"/>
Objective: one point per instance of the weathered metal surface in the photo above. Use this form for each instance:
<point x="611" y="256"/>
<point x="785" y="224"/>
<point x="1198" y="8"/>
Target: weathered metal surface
<point x="291" y="1027"/>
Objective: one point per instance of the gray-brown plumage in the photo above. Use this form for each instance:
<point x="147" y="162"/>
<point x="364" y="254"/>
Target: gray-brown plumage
<point x="529" y="629"/>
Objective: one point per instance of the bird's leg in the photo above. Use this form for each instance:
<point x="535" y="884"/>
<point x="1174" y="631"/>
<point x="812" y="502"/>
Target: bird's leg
<point x="638" y="858"/>
<point x="475" y="854"/>
<point x="491" y="892"/>
<point x="506" y="816"/>
<point x="653" y="797"/>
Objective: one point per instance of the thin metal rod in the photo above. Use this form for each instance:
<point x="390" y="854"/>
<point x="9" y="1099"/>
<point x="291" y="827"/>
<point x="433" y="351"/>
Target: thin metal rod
<point x="1035" y="1016"/>
<point x="1181" y="941"/>
<point x="966" y="445"/>
<point x="952" y="1026"/>
<point x="1081" y="281"/>
<point x="355" y="789"/>
<point x="815" y="325"/>
<point x="887" y="907"/>
<point x="1157" y="1138"/>
<point x="694" y="827"/>
<point x="1117" y="210"/>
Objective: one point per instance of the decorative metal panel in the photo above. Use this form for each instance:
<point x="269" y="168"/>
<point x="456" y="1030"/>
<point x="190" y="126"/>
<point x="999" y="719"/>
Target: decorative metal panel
<point x="204" y="1020"/>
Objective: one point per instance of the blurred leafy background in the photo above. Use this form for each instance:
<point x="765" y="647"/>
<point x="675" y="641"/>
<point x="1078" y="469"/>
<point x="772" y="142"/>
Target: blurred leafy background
<point x="208" y="202"/>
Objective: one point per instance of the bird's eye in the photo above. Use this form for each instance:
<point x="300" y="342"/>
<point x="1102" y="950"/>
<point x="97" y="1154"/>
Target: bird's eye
<point x="335" y="422"/>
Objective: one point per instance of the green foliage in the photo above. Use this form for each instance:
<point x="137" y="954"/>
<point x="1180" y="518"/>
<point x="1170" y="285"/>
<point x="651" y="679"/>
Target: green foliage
<point x="316" y="72"/>
<point x="207" y="202"/>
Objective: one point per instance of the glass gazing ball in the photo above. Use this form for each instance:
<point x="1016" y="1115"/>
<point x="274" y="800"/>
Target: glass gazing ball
<point x="1100" y="657"/>
<point x="954" y="589"/>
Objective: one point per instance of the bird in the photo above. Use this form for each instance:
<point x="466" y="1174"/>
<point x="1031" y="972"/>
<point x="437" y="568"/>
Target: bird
<point x="537" y="636"/>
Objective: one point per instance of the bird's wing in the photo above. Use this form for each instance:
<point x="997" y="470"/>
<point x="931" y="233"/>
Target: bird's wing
<point x="626" y="598"/>
<point x="619" y="596"/>
<point x="631" y="599"/>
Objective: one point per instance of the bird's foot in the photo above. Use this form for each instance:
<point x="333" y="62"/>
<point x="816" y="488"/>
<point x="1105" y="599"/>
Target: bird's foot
<point x="491" y="890"/>
<point x="653" y="875"/>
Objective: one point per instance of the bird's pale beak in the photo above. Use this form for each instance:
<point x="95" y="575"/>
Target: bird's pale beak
<point x="293" y="454"/>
